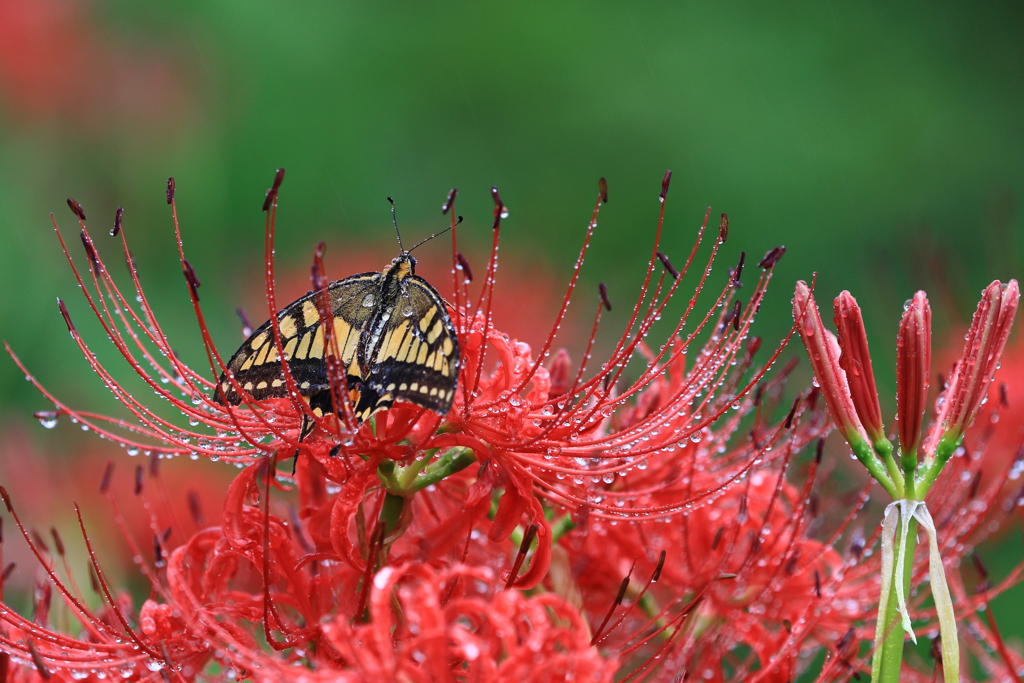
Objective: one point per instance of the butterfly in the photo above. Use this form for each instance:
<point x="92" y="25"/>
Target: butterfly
<point x="394" y="336"/>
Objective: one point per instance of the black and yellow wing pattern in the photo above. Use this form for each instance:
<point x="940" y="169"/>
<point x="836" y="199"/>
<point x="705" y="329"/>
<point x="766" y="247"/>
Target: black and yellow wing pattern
<point x="394" y="335"/>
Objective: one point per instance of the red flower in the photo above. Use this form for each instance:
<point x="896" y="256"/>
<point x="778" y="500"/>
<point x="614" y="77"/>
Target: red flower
<point x="385" y="511"/>
<point x="954" y="516"/>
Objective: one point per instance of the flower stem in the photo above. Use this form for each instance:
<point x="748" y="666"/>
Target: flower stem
<point x="892" y="647"/>
<point x="455" y="460"/>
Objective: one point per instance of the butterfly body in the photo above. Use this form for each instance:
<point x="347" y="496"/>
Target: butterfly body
<point x="394" y="338"/>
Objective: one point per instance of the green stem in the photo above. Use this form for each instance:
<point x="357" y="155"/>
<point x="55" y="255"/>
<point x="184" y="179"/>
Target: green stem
<point x="943" y="452"/>
<point x="454" y="460"/>
<point x="892" y="647"/>
<point x="867" y="457"/>
<point x="883" y="447"/>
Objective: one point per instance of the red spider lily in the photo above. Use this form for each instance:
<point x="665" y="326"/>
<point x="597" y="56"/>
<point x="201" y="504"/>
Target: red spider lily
<point x="553" y="445"/>
<point x="385" y="532"/>
<point x="849" y="387"/>
<point x="969" y="509"/>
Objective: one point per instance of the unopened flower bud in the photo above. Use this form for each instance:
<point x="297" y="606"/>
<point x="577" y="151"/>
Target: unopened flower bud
<point x="855" y="361"/>
<point x="913" y="365"/>
<point x="824" y="352"/>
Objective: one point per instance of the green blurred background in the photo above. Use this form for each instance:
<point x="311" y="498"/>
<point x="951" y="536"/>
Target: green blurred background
<point x="882" y="145"/>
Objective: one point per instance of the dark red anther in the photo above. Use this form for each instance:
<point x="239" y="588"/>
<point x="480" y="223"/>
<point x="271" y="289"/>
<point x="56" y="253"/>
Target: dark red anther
<point x="812" y="397"/>
<point x="718" y="538"/>
<point x="39" y="540"/>
<point x="107" y="474"/>
<point x="524" y="547"/>
<point x="603" y="290"/>
<point x="464" y="264"/>
<point x="170" y="190"/>
<point x="819" y="449"/>
<point x="979" y="567"/>
<point x="726" y="319"/>
<point x="90" y="252"/>
<point x="936" y="649"/>
<point x="116" y="230"/>
<point x="664" y="184"/>
<point x="37" y="659"/>
<point x="190" y="277"/>
<point x="657" y="570"/>
<point x="500" y="210"/>
<point x="1004" y="401"/>
<point x="450" y="200"/>
<point x="737" y="310"/>
<point x="857" y="545"/>
<point x="195" y="509"/>
<point x="154" y="467"/>
<point x="94" y="580"/>
<point x="8" y="570"/>
<point x="67" y="316"/>
<point x="792" y="413"/>
<point x="602" y="189"/>
<point x="845" y="642"/>
<point x="607" y="382"/>
<point x="813" y="505"/>
<point x="739" y="270"/>
<point x="58" y="542"/>
<point x="772" y="257"/>
<point x="668" y="265"/>
<point x="973" y="491"/>
<point x="741" y="511"/>
<point x="272" y="192"/>
<point x="244" y="319"/>
<point x="723" y="229"/>
<point x="138" y="479"/>
<point x="482" y="470"/>
<point x="792" y="562"/>
<point x="623" y="587"/>
<point x="76" y="208"/>
<point x="817" y="583"/>
<point x="788" y="625"/>
<point x="158" y="552"/>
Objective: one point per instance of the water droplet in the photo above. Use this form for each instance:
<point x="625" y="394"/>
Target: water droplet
<point x="47" y="418"/>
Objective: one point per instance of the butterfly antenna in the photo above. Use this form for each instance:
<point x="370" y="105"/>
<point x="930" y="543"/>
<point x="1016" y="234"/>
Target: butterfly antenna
<point x="394" y="220"/>
<point x="436" y="234"/>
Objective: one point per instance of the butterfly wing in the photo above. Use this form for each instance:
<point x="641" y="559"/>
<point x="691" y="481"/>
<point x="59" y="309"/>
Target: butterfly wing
<point x="256" y="366"/>
<point x="414" y="357"/>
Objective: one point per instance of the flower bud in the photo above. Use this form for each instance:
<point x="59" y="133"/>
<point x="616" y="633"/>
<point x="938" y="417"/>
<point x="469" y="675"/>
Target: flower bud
<point x="855" y="361"/>
<point x="824" y="352"/>
<point x="986" y="338"/>
<point x="913" y="365"/>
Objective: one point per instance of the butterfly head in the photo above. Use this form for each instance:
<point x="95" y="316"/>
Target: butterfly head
<point x="401" y="266"/>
